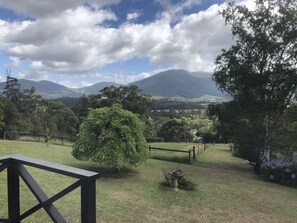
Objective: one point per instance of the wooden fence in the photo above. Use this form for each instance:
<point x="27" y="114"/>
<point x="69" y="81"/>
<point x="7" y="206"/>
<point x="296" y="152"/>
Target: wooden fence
<point x="15" y="166"/>
<point x="189" y="152"/>
<point x="15" y="135"/>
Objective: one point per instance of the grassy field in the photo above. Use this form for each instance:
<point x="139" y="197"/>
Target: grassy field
<point x="228" y="191"/>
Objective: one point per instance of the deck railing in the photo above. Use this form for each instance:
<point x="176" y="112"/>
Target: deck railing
<point x="15" y="165"/>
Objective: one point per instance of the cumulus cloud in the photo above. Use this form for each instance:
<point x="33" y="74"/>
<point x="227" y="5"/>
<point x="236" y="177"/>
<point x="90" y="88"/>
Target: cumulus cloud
<point x="97" y="4"/>
<point x="44" y="8"/>
<point x="77" y="41"/>
<point x="194" y="42"/>
<point x="133" y="16"/>
<point x="38" y="8"/>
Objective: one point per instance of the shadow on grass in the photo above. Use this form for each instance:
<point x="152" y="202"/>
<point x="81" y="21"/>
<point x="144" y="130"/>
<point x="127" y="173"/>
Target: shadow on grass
<point x="223" y="165"/>
<point x="175" y="159"/>
<point x="108" y="172"/>
<point x="163" y="186"/>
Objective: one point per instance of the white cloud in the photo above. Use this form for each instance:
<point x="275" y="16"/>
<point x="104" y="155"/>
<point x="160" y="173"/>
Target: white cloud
<point x="97" y="4"/>
<point x="194" y="42"/>
<point x="75" y="41"/>
<point x="175" y="11"/>
<point x="133" y="16"/>
<point x="40" y="8"/>
<point x="45" y="8"/>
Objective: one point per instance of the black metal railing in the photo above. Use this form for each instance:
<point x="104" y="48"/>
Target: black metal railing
<point x="15" y="165"/>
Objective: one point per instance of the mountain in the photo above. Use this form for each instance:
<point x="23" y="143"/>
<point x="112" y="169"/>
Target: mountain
<point x="179" y="83"/>
<point x="51" y="90"/>
<point x="95" y="88"/>
<point x="171" y="83"/>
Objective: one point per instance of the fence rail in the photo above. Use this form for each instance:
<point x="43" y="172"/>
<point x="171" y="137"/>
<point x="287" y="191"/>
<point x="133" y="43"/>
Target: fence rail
<point x="15" y="165"/>
<point x="190" y="151"/>
<point x="13" y="134"/>
<point x="173" y="150"/>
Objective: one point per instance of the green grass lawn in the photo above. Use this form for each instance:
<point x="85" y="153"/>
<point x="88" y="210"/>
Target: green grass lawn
<point x="228" y="191"/>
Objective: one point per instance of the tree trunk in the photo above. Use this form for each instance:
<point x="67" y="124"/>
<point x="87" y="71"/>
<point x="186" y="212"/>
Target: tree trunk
<point x="266" y="139"/>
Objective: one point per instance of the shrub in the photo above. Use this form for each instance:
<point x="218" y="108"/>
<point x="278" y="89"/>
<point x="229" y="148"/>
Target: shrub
<point x="278" y="171"/>
<point x="113" y="137"/>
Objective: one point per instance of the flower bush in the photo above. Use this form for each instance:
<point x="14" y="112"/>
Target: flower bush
<point x="278" y="171"/>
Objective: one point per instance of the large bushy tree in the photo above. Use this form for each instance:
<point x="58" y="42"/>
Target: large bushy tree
<point x="129" y="97"/>
<point x="111" y="136"/>
<point x="175" y="130"/>
<point x="259" y="71"/>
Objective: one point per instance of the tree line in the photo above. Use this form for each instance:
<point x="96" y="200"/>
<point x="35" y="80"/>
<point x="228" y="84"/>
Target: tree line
<point x="25" y="111"/>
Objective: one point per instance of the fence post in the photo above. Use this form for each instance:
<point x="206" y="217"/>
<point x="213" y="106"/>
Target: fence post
<point x="194" y="152"/>
<point x="190" y="155"/>
<point x="88" y="201"/>
<point x="13" y="189"/>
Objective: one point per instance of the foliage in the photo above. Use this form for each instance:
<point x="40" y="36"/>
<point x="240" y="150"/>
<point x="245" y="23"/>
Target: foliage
<point x="12" y="88"/>
<point x="278" y="171"/>
<point x="175" y="130"/>
<point x="259" y="70"/>
<point x="284" y="137"/>
<point x="84" y="104"/>
<point x="171" y="104"/>
<point x="60" y="120"/>
<point x="111" y="136"/>
<point x="243" y="130"/>
<point x="25" y="111"/>
<point x="129" y="97"/>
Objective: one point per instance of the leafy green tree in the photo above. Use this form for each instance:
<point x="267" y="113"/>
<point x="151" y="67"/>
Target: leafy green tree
<point x="259" y="70"/>
<point x="129" y="97"/>
<point x="284" y="138"/>
<point x="60" y="120"/>
<point x="84" y="104"/>
<point x="175" y="130"/>
<point x="2" y="123"/>
<point x="12" y="88"/>
<point x="111" y="136"/>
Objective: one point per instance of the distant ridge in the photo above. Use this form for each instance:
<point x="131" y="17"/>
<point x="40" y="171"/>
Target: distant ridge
<point x="51" y="90"/>
<point x="179" y="83"/>
<point x="95" y="88"/>
<point x="171" y="83"/>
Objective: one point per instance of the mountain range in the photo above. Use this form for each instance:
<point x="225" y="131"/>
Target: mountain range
<point x="171" y="83"/>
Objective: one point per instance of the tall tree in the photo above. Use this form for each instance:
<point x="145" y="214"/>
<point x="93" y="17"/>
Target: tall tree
<point x="260" y="70"/>
<point x="129" y="97"/>
<point x="175" y="130"/>
<point x="12" y="88"/>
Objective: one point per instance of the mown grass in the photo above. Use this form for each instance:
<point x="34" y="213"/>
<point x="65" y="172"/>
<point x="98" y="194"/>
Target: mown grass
<point x="228" y="191"/>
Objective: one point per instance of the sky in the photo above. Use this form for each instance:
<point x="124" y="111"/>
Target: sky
<point x="78" y="43"/>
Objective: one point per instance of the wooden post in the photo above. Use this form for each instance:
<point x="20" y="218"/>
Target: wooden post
<point x="88" y="201"/>
<point x="194" y="152"/>
<point x="190" y="155"/>
<point x="13" y="184"/>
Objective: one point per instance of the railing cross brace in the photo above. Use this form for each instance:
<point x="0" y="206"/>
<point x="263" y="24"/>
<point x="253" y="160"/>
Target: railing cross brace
<point x="15" y="170"/>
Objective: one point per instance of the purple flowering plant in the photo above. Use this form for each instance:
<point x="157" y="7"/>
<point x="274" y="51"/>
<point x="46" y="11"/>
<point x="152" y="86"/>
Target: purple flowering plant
<point x="278" y="171"/>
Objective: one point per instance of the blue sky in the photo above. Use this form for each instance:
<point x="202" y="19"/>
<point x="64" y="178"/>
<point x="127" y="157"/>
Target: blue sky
<point x="81" y="42"/>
